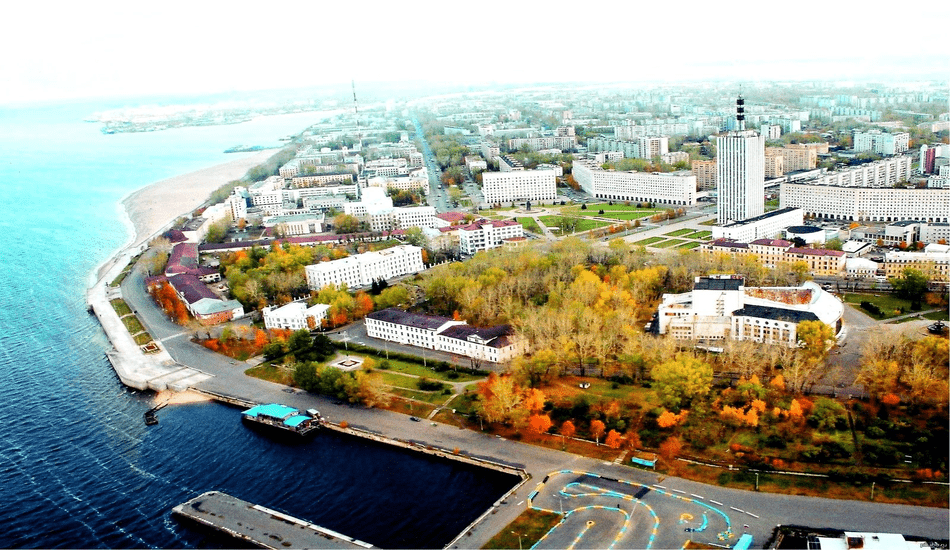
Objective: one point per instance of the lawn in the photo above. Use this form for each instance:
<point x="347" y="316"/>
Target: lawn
<point x="120" y="307"/>
<point x="133" y="325"/>
<point x="669" y="243"/>
<point x="624" y="216"/>
<point x="679" y="232"/>
<point x="693" y="244"/>
<point x="937" y="316"/>
<point x="279" y="374"/>
<point x="434" y="398"/>
<point x="531" y="524"/>
<point x="419" y="370"/>
<point x="710" y="222"/>
<point x="142" y="338"/>
<point x="890" y="304"/>
<point x="607" y="208"/>
<point x="649" y="241"/>
<point x="700" y="235"/>
<point x="582" y="224"/>
<point x="529" y="224"/>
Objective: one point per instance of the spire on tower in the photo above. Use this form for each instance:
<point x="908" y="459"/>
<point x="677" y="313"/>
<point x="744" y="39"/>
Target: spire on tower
<point x="740" y="112"/>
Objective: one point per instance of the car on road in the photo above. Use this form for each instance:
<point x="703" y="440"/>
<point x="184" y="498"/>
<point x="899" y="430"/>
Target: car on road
<point x="414" y="419"/>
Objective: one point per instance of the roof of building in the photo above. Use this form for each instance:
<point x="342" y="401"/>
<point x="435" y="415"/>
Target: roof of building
<point x="451" y="216"/>
<point x="479" y="224"/>
<point x="815" y="252"/>
<point x="496" y="337"/>
<point x="400" y="317"/>
<point x="775" y="313"/>
<point x="729" y="243"/>
<point x="765" y="216"/>
<point x="804" y="229"/>
<point x="183" y="259"/>
<point x="713" y="283"/>
<point x="175" y="236"/>
<point x="772" y="242"/>
<point x="191" y="289"/>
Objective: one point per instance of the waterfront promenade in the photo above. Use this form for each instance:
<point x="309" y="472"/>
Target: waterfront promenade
<point x="226" y="377"/>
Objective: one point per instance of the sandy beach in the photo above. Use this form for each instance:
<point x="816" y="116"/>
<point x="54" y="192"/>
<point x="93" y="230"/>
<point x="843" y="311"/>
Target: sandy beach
<point x="170" y="397"/>
<point x="151" y="208"/>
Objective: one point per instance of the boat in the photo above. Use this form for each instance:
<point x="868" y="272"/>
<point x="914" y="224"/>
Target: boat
<point x="282" y="417"/>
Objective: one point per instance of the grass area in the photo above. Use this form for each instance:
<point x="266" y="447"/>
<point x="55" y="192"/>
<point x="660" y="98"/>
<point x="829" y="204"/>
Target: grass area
<point x="692" y="244"/>
<point x="133" y="325"/>
<point x="121" y="276"/>
<point x="120" y="307"/>
<point x="435" y="398"/>
<point x="895" y="493"/>
<point x="937" y="316"/>
<point x="669" y="243"/>
<point x="582" y="224"/>
<point x="142" y="338"/>
<point x="278" y="374"/>
<point x="679" y="232"/>
<point x="531" y="525"/>
<point x="649" y="241"/>
<point x="529" y="224"/>
<point x="700" y="235"/>
<point x="623" y="216"/>
<point x="404" y="406"/>
<point x="710" y="222"/>
<point x="889" y="304"/>
<point x="419" y="370"/>
<point x="616" y="207"/>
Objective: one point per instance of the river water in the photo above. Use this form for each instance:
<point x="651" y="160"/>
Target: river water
<point x="78" y="467"/>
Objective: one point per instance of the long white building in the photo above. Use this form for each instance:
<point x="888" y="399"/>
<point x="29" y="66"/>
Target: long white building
<point x="362" y="269"/>
<point x="881" y="173"/>
<point x="765" y="226"/>
<point x="674" y="188"/>
<point x="881" y="142"/>
<point x="295" y="316"/>
<point x="866" y="203"/>
<point x="485" y="235"/>
<point x="495" y="344"/>
<point x="519" y="185"/>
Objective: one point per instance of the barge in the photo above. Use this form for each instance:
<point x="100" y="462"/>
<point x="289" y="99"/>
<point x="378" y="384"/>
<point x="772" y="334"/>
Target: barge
<point x="284" y="418"/>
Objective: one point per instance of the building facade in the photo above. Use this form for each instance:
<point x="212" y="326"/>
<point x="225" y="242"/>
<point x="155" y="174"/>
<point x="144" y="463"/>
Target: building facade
<point x="765" y="226"/>
<point x="362" y="269"/>
<point x="519" y="185"/>
<point x="295" y="316"/>
<point x="673" y="188"/>
<point x="705" y="172"/>
<point x="867" y="204"/>
<point x="740" y="176"/>
<point x="882" y="143"/>
<point x="486" y="235"/>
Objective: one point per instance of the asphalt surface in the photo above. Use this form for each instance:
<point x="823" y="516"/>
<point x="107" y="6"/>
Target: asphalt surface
<point x="771" y="509"/>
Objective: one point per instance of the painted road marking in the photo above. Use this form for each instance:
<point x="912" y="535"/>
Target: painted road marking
<point x="697" y="496"/>
<point x="715" y="502"/>
<point x="736" y="509"/>
<point x="678" y="491"/>
<point x="520" y="503"/>
<point x="753" y="515"/>
<point x="660" y="486"/>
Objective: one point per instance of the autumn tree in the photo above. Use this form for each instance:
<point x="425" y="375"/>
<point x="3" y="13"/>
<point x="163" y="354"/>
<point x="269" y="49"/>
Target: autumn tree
<point x="501" y="399"/>
<point x="682" y="379"/>
<point x="671" y="448"/>
<point x="539" y="424"/>
<point x="614" y="439"/>
<point x="597" y="429"/>
<point x="567" y="429"/>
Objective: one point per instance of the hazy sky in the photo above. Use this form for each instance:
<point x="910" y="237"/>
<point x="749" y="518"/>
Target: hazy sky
<point x="53" y="50"/>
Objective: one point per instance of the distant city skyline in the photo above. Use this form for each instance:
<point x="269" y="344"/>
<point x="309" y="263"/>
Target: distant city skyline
<point x="117" y="49"/>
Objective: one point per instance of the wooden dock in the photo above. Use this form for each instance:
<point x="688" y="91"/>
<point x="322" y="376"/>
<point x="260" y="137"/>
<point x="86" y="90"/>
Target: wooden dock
<point x="259" y="525"/>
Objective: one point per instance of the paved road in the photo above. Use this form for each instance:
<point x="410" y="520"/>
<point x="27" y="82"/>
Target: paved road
<point x="772" y="509"/>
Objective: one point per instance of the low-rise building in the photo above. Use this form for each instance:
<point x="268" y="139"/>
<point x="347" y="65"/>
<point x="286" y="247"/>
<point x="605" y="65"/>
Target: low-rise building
<point x="486" y="235"/>
<point x="494" y="344"/>
<point x="203" y="304"/>
<point x="295" y="316"/>
<point x="768" y="225"/>
<point x="723" y="308"/>
<point x="933" y="262"/>
<point x="362" y="269"/>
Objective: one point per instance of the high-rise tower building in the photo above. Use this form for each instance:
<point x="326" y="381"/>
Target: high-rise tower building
<point x="740" y="171"/>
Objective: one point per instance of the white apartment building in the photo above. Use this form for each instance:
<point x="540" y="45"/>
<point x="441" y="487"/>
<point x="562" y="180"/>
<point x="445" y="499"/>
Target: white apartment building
<point x="560" y="143"/>
<point x="867" y="204"/>
<point x="377" y="210"/>
<point x="237" y="203"/>
<point x="629" y="149"/>
<point x="485" y="235"/>
<point x="490" y="151"/>
<point x="362" y="269"/>
<point x="519" y="185"/>
<point x="413" y="216"/>
<point x="674" y="157"/>
<point x="321" y="180"/>
<point x="935" y="232"/>
<point x="414" y="180"/>
<point x="880" y="173"/>
<point x="740" y="176"/>
<point x="653" y="146"/>
<point x="766" y="226"/>
<point x="674" y="188"/>
<point x="295" y="316"/>
<point x="473" y="163"/>
<point x="495" y="344"/>
<point x="881" y="143"/>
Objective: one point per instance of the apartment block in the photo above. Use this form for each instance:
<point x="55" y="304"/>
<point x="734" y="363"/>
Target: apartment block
<point x="674" y="188"/>
<point x="362" y="269"/>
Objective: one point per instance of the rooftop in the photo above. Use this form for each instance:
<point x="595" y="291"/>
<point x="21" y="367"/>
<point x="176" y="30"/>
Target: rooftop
<point x="766" y="216"/>
<point x="772" y="242"/>
<point x="495" y="337"/>
<point x="715" y="283"/>
<point x="775" y="314"/>
<point x="400" y="317"/>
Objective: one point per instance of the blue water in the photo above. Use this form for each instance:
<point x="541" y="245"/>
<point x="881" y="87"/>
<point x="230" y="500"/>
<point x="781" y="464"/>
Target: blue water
<point x="78" y="467"/>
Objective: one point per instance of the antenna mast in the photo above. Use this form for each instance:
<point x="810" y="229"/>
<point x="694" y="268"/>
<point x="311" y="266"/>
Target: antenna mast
<point x="356" y="111"/>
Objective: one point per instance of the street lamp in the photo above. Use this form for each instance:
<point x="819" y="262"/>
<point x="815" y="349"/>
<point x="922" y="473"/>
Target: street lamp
<point x="519" y="539"/>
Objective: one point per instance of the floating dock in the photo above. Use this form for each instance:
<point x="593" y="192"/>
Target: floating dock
<point x="283" y="417"/>
<point x="259" y="525"/>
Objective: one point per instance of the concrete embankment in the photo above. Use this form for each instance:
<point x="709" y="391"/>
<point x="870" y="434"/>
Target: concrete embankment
<point x="259" y="525"/>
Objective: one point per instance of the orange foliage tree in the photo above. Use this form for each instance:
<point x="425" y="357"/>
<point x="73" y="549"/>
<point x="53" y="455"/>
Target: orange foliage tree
<point x="568" y="429"/>
<point x="539" y="423"/>
<point x="614" y="439"/>
<point x="671" y="448"/>
<point x="597" y="429"/>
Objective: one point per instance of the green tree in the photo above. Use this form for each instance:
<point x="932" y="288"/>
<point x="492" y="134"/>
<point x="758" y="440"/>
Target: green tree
<point x="911" y="286"/>
<point x="814" y="338"/>
<point x="299" y="341"/>
<point x="345" y="223"/>
<point x="217" y="232"/>
<point x="681" y="380"/>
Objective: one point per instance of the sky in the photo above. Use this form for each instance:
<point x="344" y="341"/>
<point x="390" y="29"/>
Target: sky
<point x="58" y="50"/>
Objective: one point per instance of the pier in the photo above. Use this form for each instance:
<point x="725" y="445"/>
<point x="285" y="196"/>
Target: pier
<point x="259" y="525"/>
